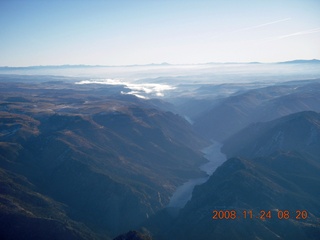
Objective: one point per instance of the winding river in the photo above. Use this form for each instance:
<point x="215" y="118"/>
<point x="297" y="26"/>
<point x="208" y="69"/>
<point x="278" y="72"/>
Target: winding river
<point x="183" y="193"/>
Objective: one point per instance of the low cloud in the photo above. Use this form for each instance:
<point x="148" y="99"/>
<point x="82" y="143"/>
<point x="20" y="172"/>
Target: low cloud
<point x="141" y="90"/>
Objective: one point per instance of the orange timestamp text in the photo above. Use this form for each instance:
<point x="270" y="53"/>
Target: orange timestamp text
<point x="262" y="214"/>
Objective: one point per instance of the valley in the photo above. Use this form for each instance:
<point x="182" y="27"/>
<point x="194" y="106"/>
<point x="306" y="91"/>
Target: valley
<point x="281" y="179"/>
<point x="184" y="193"/>
<point x="153" y="154"/>
<point x="101" y="157"/>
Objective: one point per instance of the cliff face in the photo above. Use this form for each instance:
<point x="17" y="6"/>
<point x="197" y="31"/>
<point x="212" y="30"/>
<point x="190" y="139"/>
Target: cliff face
<point x="106" y="162"/>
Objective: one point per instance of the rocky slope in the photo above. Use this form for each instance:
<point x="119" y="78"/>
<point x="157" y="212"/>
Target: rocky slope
<point x="93" y="157"/>
<point x="299" y="132"/>
<point x="278" y="179"/>
<point x="233" y="113"/>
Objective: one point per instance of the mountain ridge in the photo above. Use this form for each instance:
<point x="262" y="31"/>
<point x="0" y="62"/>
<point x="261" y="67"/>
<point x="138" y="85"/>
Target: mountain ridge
<point x="237" y="111"/>
<point x="261" y="139"/>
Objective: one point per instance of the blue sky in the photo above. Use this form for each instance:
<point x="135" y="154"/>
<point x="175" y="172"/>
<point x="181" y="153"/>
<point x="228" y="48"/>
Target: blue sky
<point x="122" y="32"/>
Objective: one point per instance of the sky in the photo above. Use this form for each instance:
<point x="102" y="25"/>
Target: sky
<point x="125" y="32"/>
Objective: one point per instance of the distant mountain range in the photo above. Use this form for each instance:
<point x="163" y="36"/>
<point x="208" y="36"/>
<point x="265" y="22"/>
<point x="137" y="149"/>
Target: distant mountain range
<point x="301" y="61"/>
<point x="313" y="61"/>
<point x="66" y="66"/>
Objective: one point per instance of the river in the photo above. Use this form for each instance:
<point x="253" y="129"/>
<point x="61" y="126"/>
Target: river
<point x="184" y="193"/>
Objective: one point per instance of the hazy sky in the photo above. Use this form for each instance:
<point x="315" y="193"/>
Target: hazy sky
<point x="121" y="32"/>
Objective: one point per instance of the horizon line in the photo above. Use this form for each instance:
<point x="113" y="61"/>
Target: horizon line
<point x="157" y="64"/>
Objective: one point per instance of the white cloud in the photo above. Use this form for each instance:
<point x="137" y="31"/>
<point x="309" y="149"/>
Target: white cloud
<point x="102" y="81"/>
<point x="134" y="93"/>
<point x="142" y="90"/>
